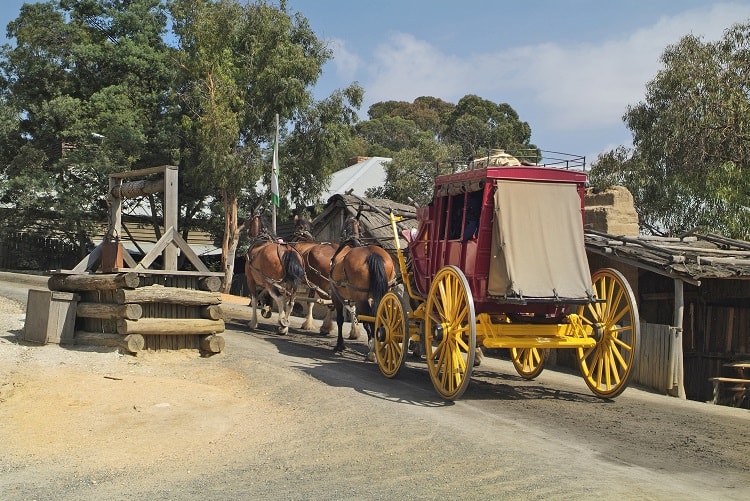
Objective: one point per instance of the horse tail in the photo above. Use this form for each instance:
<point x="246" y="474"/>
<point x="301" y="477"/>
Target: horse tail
<point x="378" y="280"/>
<point x="293" y="269"/>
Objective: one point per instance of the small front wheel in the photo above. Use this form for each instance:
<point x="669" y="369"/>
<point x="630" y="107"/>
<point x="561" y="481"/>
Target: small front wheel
<point x="391" y="335"/>
<point x="529" y="362"/>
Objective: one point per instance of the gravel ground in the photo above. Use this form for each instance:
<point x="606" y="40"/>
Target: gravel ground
<point x="281" y="417"/>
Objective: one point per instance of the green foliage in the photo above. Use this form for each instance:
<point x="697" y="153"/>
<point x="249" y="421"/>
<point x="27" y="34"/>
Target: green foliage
<point x="93" y="87"/>
<point x="322" y="139"/>
<point x="427" y="137"/>
<point x="410" y="175"/>
<point x="84" y="88"/>
<point x="689" y="167"/>
<point x="479" y="125"/>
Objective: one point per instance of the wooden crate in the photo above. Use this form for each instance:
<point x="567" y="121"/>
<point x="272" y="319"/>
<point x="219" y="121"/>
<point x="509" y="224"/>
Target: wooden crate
<point x="50" y="317"/>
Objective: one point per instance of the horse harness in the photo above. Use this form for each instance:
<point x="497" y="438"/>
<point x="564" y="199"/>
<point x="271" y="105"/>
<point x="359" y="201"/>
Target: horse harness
<point x="250" y="257"/>
<point x="352" y="242"/>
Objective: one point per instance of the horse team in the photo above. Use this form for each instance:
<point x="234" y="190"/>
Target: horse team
<point x="351" y="275"/>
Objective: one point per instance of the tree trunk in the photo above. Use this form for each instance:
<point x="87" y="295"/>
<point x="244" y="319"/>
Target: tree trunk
<point x="231" y="239"/>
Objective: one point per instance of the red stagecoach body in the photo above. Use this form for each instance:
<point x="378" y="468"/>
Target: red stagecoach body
<point x="515" y="232"/>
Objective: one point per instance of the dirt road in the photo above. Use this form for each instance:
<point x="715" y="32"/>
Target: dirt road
<point x="283" y="418"/>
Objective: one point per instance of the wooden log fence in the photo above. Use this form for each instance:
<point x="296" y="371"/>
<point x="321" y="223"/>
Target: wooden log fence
<point x="120" y="310"/>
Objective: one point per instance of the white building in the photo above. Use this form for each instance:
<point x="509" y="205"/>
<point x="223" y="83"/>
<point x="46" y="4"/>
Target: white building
<point x="368" y="172"/>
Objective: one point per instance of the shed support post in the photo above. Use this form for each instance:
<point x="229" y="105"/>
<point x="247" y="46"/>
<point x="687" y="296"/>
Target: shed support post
<point x="676" y="383"/>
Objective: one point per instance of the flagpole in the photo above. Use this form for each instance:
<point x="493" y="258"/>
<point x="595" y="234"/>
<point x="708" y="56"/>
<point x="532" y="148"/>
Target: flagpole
<point x="275" y="177"/>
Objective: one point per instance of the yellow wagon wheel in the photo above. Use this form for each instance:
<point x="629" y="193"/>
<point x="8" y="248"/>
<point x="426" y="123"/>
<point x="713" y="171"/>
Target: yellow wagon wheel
<point x="391" y="335"/>
<point x="450" y="332"/>
<point x="607" y="366"/>
<point x="529" y="362"/>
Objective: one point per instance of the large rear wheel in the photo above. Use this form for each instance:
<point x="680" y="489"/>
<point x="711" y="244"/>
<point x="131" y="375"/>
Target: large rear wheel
<point x="607" y="366"/>
<point x="450" y="332"/>
<point x="529" y="362"/>
<point x="391" y="338"/>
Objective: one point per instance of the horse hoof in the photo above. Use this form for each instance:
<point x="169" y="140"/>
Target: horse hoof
<point x="478" y="357"/>
<point x="353" y="336"/>
<point x="283" y="331"/>
<point x="370" y="357"/>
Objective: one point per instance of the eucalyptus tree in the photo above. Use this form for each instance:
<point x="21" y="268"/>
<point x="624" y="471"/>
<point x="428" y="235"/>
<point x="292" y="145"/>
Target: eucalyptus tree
<point x="241" y="64"/>
<point x="319" y="141"/>
<point x="478" y="125"/>
<point x="430" y="137"/>
<point x="411" y="172"/>
<point x="691" y="139"/>
<point x="87" y="81"/>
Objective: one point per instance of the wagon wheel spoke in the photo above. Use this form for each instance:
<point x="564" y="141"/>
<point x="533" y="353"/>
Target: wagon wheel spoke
<point x="391" y="335"/>
<point x="450" y="333"/>
<point x="607" y="366"/>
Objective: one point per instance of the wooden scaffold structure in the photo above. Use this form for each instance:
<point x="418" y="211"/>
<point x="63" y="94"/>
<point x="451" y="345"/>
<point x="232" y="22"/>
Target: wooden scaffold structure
<point x="124" y="303"/>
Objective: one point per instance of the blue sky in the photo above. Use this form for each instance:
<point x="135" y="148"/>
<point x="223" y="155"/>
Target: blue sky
<point x="569" y="68"/>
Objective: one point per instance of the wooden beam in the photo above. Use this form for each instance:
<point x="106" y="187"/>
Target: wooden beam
<point x="143" y="172"/>
<point x="91" y="282"/>
<point x="212" y="312"/>
<point x="172" y="295"/>
<point x="109" y="311"/>
<point x="212" y="343"/>
<point x="171" y="326"/>
<point x="131" y="343"/>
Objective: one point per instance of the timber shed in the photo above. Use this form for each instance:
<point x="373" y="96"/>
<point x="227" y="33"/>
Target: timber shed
<point x="374" y="220"/>
<point x="693" y="294"/>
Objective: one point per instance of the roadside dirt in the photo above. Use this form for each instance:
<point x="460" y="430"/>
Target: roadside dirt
<point x="95" y="410"/>
<point x="277" y="417"/>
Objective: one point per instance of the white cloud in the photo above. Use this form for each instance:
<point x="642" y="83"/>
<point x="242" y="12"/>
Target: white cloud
<point x="346" y="62"/>
<point x="571" y="85"/>
<point x="406" y="68"/>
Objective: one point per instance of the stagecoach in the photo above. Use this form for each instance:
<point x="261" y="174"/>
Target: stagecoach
<point x="499" y="261"/>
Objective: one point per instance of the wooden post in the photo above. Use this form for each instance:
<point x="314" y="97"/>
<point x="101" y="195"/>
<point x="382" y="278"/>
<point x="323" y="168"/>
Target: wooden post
<point x="132" y="343"/>
<point x="170" y="214"/>
<point x="212" y="284"/>
<point x="109" y="311"/>
<point x="676" y="383"/>
<point x="212" y="343"/>
<point x="212" y="311"/>
<point x="114" y="225"/>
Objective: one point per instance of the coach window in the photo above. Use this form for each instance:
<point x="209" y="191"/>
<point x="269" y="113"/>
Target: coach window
<point x="457" y="216"/>
<point x="473" y="212"/>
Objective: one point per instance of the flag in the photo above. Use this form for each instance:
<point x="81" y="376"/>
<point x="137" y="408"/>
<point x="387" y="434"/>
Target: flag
<point x="275" y="168"/>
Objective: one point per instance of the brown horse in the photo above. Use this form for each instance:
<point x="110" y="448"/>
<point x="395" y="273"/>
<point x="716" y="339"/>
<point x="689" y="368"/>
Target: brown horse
<point x="360" y="277"/>
<point x="316" y="257"/>
<point x="274" y="267"/>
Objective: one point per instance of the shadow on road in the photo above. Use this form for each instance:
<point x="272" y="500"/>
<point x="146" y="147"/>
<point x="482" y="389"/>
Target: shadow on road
<point x="313" y="354"/>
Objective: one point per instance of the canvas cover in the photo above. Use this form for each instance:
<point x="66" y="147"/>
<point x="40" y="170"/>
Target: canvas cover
<point x="538" y="249"/>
